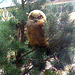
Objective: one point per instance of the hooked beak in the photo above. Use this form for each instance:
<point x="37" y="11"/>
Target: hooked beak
<point x="35" y="20"/>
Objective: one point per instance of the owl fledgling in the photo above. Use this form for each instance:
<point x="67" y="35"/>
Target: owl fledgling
<point x="35" y="28"/>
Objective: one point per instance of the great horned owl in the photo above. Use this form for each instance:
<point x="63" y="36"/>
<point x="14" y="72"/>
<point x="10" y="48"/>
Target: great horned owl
<point x="35" y="28"/>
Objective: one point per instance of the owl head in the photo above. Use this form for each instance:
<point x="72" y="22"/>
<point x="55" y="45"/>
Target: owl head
<point x="36" y="16"/>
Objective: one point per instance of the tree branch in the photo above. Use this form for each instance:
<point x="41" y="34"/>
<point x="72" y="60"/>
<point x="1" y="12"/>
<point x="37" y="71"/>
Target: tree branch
<point x="27" y="71"/>
<point x="27" y="53"/>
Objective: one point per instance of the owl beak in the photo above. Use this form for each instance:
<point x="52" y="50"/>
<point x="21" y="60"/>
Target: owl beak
<point x="35" y="20"/>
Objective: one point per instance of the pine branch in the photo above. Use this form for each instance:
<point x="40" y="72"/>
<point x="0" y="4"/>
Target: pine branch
<point x="27" y="53"/>
<point x="52" y="36"/>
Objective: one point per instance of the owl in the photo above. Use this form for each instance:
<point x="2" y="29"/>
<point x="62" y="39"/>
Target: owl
<point x="36" y="28"/>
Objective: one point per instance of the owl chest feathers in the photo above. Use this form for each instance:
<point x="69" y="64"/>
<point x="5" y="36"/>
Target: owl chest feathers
<point x="36" y="33"/>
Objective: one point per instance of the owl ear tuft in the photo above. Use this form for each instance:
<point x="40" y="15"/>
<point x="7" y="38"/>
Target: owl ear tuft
<point x="27" y="14"/>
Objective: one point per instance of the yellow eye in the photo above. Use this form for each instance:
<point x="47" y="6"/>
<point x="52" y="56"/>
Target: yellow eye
<point x="31" y="17"/>
<point x="40" y="17"/>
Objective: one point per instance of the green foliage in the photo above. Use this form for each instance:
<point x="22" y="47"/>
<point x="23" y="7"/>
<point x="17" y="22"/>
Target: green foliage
<point x="7" y="43"/>
<point x="11" y="69"/>
<point x="68" y="7"/>
<point x="72" y="72"/>
<point x="13" y="23"/>
<point x="0" y="17"/>
<point x="35" y="72"/>
<point x="60" y="29"/>
<point x="51" y="23"/>
<point x="49" y="72"/>
<point x="39" y="57"/>
<point x="5" y="32"/>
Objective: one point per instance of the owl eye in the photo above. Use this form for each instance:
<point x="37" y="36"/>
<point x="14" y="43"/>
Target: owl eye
<point x="40" y="17"/>
<point x="31" y="17"/>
